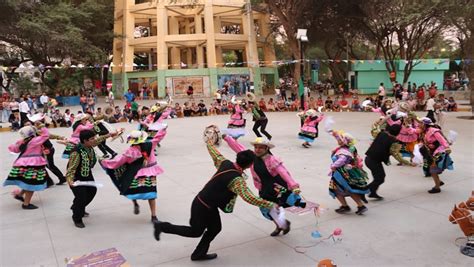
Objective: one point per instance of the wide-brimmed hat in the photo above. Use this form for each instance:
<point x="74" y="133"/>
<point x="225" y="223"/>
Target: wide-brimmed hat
<point x="81" y="117"/>
<point x="427" y="121"/>
<point x="404" y="106"/>
<point x="27" y="131"/>
<point x="137" y="137"/>
<point x="36" y="117"/>
<point x="262" y="141"/>
<point x="311" y="113"/>
<point x="345" y="138"/>
<point x="154" y="109"/>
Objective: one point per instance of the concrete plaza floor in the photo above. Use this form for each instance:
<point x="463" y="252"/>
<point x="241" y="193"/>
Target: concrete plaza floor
<point x="409" y="228"/>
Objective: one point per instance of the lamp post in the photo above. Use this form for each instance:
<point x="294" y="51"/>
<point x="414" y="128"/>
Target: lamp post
<point x="302" y="38"/>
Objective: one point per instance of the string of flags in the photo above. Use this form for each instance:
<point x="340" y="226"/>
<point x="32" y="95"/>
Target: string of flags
<point x="259" y="63"/>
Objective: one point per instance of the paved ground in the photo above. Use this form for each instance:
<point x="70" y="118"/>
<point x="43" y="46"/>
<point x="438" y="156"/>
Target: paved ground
<point x="409" y="228"/>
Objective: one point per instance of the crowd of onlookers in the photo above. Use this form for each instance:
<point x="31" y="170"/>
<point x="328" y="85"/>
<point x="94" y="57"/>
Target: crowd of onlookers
<point x="15" y="110"/>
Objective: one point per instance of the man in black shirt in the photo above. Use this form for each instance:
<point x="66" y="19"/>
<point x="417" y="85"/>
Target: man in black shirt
<point x="219" y="193"/>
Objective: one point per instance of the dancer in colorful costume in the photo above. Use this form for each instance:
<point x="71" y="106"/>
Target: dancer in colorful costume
<point x="309" y="130"/>
<point x="135" y="171"/>
<point x="347" y="175"/>
<point x="81" y="123"/>
<point x="29" y="169"/>
<point x="271" y="178"/>
<point x="383" y="146"/>
<point x="48" y="150"/>
<point x="236" y="124"/>
<point x="154" y="121"/>
<point x="219" y="193"/>
<point x="436" y="153"/>
<point x="79" y="173"/>
<point x="260" y="120"/>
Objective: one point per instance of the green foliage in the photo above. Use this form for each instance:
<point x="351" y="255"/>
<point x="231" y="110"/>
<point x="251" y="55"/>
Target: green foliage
<point x="24" y="84"/>
<point x="229" y="57"/>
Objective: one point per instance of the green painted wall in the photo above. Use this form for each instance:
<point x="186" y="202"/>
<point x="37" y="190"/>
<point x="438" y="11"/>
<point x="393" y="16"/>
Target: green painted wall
<point x="371" y="74"/>
<point x="161" y="76"/>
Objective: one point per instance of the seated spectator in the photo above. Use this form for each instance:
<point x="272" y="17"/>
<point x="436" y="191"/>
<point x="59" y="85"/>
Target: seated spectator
<point x="312" y="103"/>
<point x="179" y="110"/>
<point x="187" y="111"/>
<point x="281" y="106"/>
<point x="294" y="105"/>
<point x="127" y="112"/>
<point x="368" y="104"/>
<point x="14" y="119"/>
<point x="319" y="102"/>
<point x="328" y="104"/>
<point x="214" y="108"/>
<point x="68" y="117"/>
<point x="355" y="106"/>
<point x="118" y="114"/>
<point x="271" y="105"/>
<point x="411" y="102"/>
<point x="99" y="113"/>
<point x="58" y="119"/>
<point x="202" y="108"/>
<point x="452" y="105"/>
<point x="336" y="106"/>
<point x="194" y="109"/>
<point x="230" y="107"/>
<point x="262" y="105"/>
<point x="224" y="107"/>
<point x="109" y="115"/>
<point x="344" y="104"/>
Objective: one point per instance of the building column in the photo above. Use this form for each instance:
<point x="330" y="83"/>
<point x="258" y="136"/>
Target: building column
<point x="127" y="49"/>
<point x="175" y="51"/>
<point x="118" y="47"/>
<point x="199" y="48"/>
<point x="252" y="52"/>
<point x="162" y="47"/>
<point x="211" y="45"/>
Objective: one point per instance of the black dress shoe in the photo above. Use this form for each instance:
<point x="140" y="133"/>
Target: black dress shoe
<point x="361" y="210"/>
<point x="343" y="209"/>
<point x="86" y="214"/>
<point x="374" y="195"/>
<point x="157" y="231"/>
<point x="29" y="207"/>
<point x="19" y="198"/>
<point x="204" y="257"/>
<point x="79" y="224"/>
<point x="276" y="232"/>
<point x="136" y="209"/>
<point x="288" y="228"/>
<point x="434" y="190"/>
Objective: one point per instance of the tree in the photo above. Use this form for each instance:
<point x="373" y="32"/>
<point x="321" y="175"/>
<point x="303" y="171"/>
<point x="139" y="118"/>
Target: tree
<point x="403" y="29"/>
<point x="291" y="15"/>
<point x="461" y="16"/>
<point x="55" y="32"/>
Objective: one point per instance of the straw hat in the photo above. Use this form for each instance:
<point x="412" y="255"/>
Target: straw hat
<point x="81" y="117"/>
<point x="27" y="131"/>
<point x="427" y="121"/>
<point x="262" y="141"/>
<point x="345" y="138"/>
<point x="154" y="109"/>
<point x="137" y="137"/>
<point x="311" y="113"/>
<point x="36" y="117"/>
